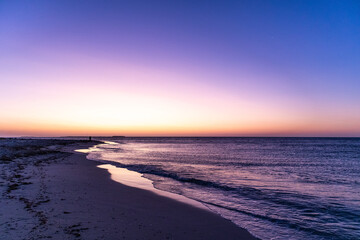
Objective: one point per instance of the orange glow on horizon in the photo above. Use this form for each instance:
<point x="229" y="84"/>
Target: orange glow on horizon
<point x="57" y="130"/>
<point x="102" y="98"/>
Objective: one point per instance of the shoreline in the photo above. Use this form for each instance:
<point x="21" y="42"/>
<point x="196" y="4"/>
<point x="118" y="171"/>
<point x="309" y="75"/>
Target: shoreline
<point x="135" y="179"/>
<point x="71" y="198"/>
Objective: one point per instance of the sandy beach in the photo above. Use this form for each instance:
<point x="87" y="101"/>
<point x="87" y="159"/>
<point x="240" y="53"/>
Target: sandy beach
<point x="50" y="191"/>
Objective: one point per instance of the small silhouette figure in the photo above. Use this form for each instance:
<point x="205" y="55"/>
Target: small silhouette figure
<point x="90" y="138"/>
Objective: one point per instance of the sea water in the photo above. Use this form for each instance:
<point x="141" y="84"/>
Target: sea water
<point x="277" y="188"/>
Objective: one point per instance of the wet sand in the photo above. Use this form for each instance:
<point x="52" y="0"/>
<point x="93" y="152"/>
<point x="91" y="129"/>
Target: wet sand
<point x="65" y="196"/>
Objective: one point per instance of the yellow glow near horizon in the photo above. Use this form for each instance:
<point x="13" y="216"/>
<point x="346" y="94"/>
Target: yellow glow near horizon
<point x="136" y="101"/>
<point x="125" y="71"/>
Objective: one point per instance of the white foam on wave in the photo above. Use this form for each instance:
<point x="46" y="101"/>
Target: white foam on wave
<point x="135" y="179"/>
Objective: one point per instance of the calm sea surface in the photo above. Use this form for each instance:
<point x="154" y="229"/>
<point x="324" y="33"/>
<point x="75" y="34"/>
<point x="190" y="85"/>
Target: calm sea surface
<point x="277" y="188"/>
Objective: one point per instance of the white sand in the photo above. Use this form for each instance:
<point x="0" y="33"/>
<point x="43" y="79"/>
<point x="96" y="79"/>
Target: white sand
<point x="65" y="196"/>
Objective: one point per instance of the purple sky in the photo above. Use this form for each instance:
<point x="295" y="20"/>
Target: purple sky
<point x="180" y="68"/>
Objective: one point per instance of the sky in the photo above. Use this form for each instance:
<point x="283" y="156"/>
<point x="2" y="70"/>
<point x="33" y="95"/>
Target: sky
<point x="180" y="68"/>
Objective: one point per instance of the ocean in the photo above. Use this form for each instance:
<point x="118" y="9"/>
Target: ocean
<point x="277" y="188"/>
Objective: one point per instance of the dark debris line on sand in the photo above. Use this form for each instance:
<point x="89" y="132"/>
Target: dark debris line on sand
<point x="21" y="164"/>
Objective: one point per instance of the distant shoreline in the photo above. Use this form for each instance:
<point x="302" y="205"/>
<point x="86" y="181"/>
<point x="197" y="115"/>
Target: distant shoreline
<point x="94" y="137"/>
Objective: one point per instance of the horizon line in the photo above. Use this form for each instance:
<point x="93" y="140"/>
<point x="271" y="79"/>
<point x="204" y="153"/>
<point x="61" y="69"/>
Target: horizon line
<point x="94" y="136"/>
